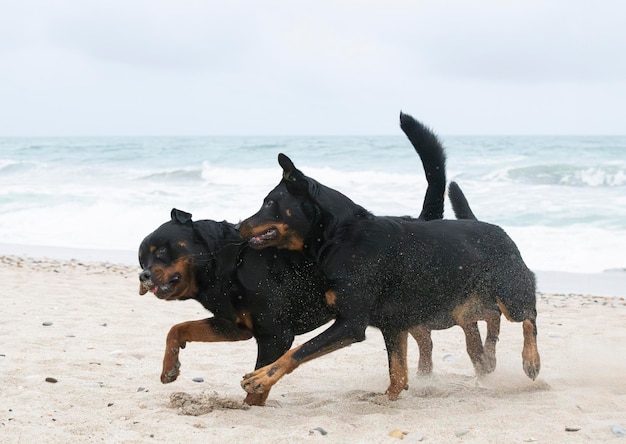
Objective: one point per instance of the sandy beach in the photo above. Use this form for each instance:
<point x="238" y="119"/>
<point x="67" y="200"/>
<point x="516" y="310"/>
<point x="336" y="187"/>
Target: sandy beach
<point x="80" y="358"/>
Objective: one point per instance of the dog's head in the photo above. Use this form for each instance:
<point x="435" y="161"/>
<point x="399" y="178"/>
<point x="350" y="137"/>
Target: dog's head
<point x="285" y="217"/>
<point x="173" y="255"/>
<point x="294" y="209"/>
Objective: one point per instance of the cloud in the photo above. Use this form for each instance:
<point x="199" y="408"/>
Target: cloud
<point x="189" y="66"/>
<point x="530" y="42"/>
<point x="157" y="35"/>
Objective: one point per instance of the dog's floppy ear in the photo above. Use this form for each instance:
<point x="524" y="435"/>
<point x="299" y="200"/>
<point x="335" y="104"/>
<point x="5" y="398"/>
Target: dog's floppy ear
<point x="180" y="216"/>
<point x="296" y="182"/>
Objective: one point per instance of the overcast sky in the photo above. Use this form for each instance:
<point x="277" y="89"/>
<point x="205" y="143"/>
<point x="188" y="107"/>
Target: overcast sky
<point x="183" y="67"/>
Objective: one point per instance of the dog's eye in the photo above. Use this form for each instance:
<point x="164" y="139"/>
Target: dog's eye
<point x="269" y="204"/>
<point x="161" y="252"/>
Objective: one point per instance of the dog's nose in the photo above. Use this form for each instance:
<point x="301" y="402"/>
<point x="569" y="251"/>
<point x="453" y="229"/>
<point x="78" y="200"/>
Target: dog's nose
<point x="145" y="275"/>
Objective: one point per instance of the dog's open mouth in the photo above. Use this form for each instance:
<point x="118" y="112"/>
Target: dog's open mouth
<point x="162" y="291"/>
<point x="268" y="235"/>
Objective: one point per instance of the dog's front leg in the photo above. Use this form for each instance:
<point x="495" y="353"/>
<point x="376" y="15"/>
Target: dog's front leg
<point x="206" y="330"/>
<point x="341" y="334"/>
<point x="262" y="379"/>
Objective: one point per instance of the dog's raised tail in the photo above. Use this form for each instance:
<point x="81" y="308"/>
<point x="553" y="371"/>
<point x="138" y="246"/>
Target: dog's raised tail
<point x="433" y="158"/>
<point x="460" y="206"/>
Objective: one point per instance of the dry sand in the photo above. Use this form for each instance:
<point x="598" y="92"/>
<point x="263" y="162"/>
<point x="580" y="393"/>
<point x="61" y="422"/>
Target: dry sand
<point x="85" y="326"/>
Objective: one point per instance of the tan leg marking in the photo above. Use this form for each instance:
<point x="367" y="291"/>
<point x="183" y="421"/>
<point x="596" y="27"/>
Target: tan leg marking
<point x="398" y="368"/>
<point x="192" y="331"/>
<point x="474" y="346"/>
<point x="493" y="333"/>
<point x="256" y="398"/>
<point x="422" y="336"/>
<point x="530" y="355"/>
<point x="504" y="310"/>
<point x="467" y="315"/>
<point x="261" y="380"/>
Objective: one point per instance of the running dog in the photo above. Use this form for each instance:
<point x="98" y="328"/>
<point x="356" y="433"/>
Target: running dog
<point x="393" y="273"/>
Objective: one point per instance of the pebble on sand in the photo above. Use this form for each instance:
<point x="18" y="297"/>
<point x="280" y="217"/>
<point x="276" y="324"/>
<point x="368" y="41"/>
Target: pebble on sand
<point x="448" y="358"/>
<point x="198" y="379"/>
<point x="618" y="431"/>
<point x="320" y="430"/>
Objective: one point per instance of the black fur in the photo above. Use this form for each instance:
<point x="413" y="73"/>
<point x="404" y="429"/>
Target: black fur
<point x="460" y="206"/>
<point x="436" y="177"/>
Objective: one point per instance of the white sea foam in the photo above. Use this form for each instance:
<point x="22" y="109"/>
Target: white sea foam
<point x="564" y="206"/>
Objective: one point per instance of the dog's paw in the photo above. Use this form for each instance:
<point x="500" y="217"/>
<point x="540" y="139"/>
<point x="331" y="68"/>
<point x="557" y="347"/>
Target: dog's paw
<point x="170" y="375"/>
<point x="261" y="380"/>
<point x="257" y="399"/>
<point x="253" y="383"/>
<point x="486" y="365"/>
<point x="489" y="364"/>
<point x="531" y="367"/>
<point x="393" y="393"/>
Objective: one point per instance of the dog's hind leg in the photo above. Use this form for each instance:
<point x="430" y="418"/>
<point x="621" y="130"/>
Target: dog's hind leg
<point x="493" y="334"/>
<point x="474" y="346"/>
<point x="396" y="343"/>
<point x="462" y="210"/>
<point x="483" y="357"/>
<point x="530" y="355"/>
<point x="531" y="361"/>
<point x="421" y="334"/>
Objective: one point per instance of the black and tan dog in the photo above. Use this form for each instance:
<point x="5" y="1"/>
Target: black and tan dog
<point x="392" y="273"/>
<point x="271" y="295"/>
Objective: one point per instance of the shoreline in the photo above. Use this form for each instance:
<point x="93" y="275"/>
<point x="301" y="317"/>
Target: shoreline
<point x="122" y="257"/>
<point x="610" y="283"/>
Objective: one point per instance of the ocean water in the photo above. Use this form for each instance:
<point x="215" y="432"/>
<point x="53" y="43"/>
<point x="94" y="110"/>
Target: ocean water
<point x="561" y="199"/>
